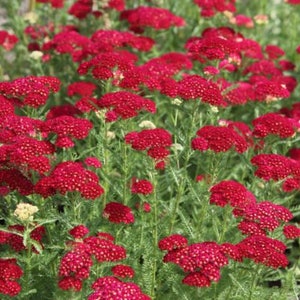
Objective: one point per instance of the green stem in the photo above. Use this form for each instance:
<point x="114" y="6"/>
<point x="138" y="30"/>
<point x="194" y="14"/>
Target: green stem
<point x="226" y="222"/>
<point x="155" y="237"/>
<point x="125" y="173"/>
<point x="184" y="175"/>
<point x="230" y="289"/>
<point x="27" y="273"/>
<point x="254" y="281"/>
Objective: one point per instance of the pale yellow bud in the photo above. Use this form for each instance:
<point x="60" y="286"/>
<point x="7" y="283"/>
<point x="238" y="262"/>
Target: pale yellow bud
<point x="214" y="109"/>
<point x="110" y="135"/>
<point x="36" y="55"/>
<point x="177" y="147"/>
<point x="31" y="17"/>
<point x="177" y="101"/>
<point x="147" y="124"/>
<point x="25" y="211"/>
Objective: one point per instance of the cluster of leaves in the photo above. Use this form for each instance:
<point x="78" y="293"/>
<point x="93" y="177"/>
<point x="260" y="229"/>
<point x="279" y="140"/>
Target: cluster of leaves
<point x="131" y="129"/>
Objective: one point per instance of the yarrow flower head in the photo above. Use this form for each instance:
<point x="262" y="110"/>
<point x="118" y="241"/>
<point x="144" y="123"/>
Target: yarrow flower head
<point x="231" y="192"/>
<point x="155" y="17"/>
<point x="76" y="264"/>
<point x="274" y="166"/>
<point x="210" y="8"/>
<point x="262" y="216"/>
<point x="104" y="248"/>
<point x="118" y="213"/>
<point x="31" y="90"/>
<point x="79" y="231"/>
<point x="109" y="40"/>
<point x="196" y="87"/>
<point x="291" y="231"/>
<point x="15" y="240"/>
<point x="155" y="141"/>
<point x="273" y="123"/>
<point x="7" y="40"/>
<point x="141" y="186"/>
<point x="25" y="211"/>
<point x="93" y="162"/>
<point x="26" y="153"/>
<point x="264" y="250"/>
<point x="110" y="287"/>
<point x="74" y="268"/>
<point x="69" y="41"/>
<point x="201" y="261"/>
<point x="67" y="128"/>
<point x="70" y="177"/>
<point x="125" y="105"/>
<point x="122" y="271"/>
<point x="172" y="242"/>
<point x="13" y="179"/>
<point x="219" y="139"/>
<point x="10" y="272"/>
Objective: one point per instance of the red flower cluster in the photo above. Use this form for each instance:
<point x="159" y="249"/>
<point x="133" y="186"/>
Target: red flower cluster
<point x="13" y="179"/>
<point x="10" y="272"/>
<point x="93" y="162"/>
<point x="219" y="139"/>
<point x="231" y="192"/>
<point x="26" y="154"/>
<point x="195" y="86"/>
<point x="155" y="17"/>
<point x="212" y="45"/>
<point x="202" y="261"/>
<point x="104" y="249"/>
<point x="291" y="231"/>
<point x="173" y="242"/>
<point x="234" y="52"/>
<point x="70" y="177"/>
<point x="292" y="114"/>
<point x="293" y="2"/>
<point x="63" y="110"/>
<point x="110" y="287"/>
<point x="110" y="40"/>
<point x="118" y="213"/>
<point x="141" y="186"/>
<point x="82" y="8"/>
<point x="269" y="90"/>
<point x="69" y="41"/>
<point x="7" y="40"/>
<point x="15" y="241"/>
<point x="75" y="265"/>
<point x="108" y="65"/>
<point x="122" y="271"/>
<point x="124" y="105"/>
<point x="81" y="88"/>
<point x="238" y="93"/>
<point x="13" y="126"/>
<point x="273" y="123"/>
<point x="155" y="141"/>
<point x="79" y="231"/>
<point x="54" y="3"/>
<point x="31" y="90"/>
<point x="259" y="217"/>
<point x="275" y="166"/>
<point x="210" y="8"/>
<point x="157" y="73"/>
<point x="264" y="250"/>
<point x="67" y="128"/>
